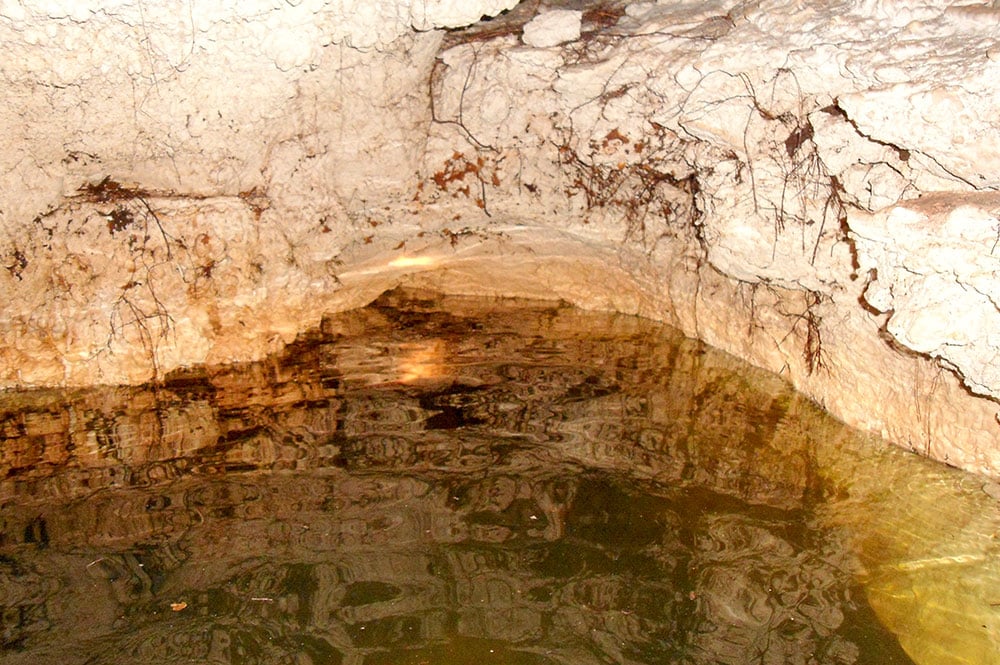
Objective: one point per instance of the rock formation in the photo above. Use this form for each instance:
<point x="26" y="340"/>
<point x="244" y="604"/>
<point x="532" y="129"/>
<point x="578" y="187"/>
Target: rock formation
<point x="809" y="186"/>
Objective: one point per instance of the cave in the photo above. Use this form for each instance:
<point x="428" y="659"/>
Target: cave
<point x="809" y="187"/>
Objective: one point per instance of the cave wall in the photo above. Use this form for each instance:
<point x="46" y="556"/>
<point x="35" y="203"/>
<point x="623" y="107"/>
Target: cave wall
<point x="809" y="186"/>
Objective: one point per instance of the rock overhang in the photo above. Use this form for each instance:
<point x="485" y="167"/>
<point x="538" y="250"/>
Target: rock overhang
<point x="199" y="186"/>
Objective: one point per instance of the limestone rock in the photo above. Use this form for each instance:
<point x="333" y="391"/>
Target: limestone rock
<point x="552" y="28"/>
<point x="933" y="263"/>
<point x="792" y="182"/>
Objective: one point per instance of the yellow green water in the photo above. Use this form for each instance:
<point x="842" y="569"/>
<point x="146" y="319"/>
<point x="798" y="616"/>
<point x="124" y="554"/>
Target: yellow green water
<point x="447" y="481"/>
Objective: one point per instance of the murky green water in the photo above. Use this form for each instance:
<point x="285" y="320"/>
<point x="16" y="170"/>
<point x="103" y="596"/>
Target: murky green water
<point x="450" y="481"/>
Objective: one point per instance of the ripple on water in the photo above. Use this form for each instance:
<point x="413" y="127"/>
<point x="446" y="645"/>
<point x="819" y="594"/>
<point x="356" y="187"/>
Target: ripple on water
<point x="451" y="480"/>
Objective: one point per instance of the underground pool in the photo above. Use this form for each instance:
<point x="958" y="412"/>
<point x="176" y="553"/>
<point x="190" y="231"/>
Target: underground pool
<point x="447" y="480"/>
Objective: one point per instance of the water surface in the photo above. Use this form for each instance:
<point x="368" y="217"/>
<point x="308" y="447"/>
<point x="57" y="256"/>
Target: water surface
<point x="448" y="480"/>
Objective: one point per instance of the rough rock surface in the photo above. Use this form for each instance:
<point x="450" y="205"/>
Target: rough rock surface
<point x="806" y="185"/>
<point x="552" y="28"/>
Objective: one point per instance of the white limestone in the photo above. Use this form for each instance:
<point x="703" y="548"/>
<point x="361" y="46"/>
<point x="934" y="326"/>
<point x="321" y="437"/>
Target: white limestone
<point x="807" y="185"/>
<point x="552" y="28"/>
<point x="934" y="264"/>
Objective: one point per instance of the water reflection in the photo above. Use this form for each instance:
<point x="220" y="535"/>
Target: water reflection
<point x="441" y="481"/>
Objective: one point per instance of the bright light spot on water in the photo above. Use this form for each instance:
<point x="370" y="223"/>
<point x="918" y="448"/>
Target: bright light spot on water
<point x="424" y="360"/>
